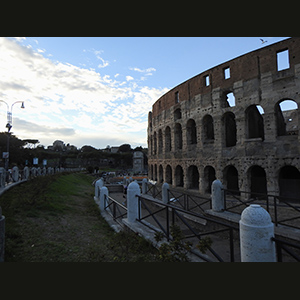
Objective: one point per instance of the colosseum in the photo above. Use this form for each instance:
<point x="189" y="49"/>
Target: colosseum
<point x="237" y="122"/>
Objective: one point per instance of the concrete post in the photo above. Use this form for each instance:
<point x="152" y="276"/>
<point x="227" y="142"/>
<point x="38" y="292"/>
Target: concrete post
<point x="165" y="193"/>
<point x="217" y="196"/>
<point x="26" y="173"/>
<point x="2" y="235"/>
<point x="256" y="231"/>
<point x="103" y="192"/>
<point x="133" y="191"/>
<point x="15" y="174"/>
<point x="144" y="186"/>
<point x="98" y="185"/>
<point x="2" y="177"/>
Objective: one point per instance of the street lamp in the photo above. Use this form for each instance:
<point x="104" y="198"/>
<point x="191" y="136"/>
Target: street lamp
<point x="9" y="126"/>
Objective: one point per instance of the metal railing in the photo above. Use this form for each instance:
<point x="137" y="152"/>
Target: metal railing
<point x="283" y="211"/>
<point x="166" y="215"/>
<point x="115" y="209"/>
<point x="286" y="246"/>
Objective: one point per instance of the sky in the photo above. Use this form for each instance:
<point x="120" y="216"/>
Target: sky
<point x="98" y="91"/>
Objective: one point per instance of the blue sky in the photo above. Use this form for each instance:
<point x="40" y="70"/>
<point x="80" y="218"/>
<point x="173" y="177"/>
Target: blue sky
<point x="98" y="90"/>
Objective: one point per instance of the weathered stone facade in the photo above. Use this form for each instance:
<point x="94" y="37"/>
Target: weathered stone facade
<point x="229" y="123"/>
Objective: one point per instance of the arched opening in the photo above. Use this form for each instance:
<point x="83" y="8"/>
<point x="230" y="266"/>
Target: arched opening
<point x="208" y="128"/>
<point x="191" y="132"/>
<point x="231" y="179"/>
<point x="289" y="183"/>
<point x="228" y="100"/>
<point x="286" y="113"/>
<point x="193" y="177"/>
<point x="258" y="182"/>
<point x="168" y="174"/>
<point x="154" y="144"/>
<point x="178" y="136"/>
<point x="255" y="122"/>
<point x="230" y="129"/>
<point x="155" y="172"/>
<point x="160" y="141"/>
<point x="160" y="174"/>
<point x="209" y="177"/>
<point x="177" y="114"/>
<point x="168" y="144"/>
<point x="179" y="176"/>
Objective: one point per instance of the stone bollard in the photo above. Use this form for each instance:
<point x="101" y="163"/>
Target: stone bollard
<point x="15" y="174"/>
<point x="144" y="186"/>
<point x="217" y="196"/>
<point x="103" y="193"/>
<point x="2" y="235"/>
<point x="133" y="191"/>
<point x="165" y="193"/>
<point x="98" y="185"/>
<point x="256" y="231"/>
<point x="2" y="177"/>
<point x="26" y="173"/>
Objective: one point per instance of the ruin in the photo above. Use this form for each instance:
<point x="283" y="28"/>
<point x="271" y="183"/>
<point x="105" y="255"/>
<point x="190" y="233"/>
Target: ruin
<point x="237" y="122"/>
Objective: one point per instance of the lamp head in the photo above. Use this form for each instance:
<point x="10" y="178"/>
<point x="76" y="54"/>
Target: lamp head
<point x="22" y="106"/>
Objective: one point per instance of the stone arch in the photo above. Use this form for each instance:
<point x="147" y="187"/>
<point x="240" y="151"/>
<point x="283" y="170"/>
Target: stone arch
<point x="209" y="177"/>
<point x="208" y="128"/>
<point x="191" y="132"/>
<point x="254" y="122"/>
<point x="228" y="99"/>
<point x="231" y="179"/>
<point x="160" y="174"/>
<point x="179" y="177"/>
<point x="168" y="140"/>
<point x="192" y="177"/>
<point x="178" y="136"/>
<point x="289" y="183"/>
<point x="230" y="129"/>
<point x="168" y="174"/>
<point x="160" y="141"/>
<point x="286" y="115"/>
<point x="258" y="181"/>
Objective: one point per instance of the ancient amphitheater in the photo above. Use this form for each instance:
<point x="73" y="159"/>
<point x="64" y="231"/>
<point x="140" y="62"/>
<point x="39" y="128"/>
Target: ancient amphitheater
<point x="237" y="122"/>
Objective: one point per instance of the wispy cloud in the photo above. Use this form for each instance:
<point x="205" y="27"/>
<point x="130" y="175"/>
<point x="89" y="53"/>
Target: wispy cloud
<point x="72" y="102"/>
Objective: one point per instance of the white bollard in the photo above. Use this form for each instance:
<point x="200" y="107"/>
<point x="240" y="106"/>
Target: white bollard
<point x="2" y="235"/>
<point x="256" y="232"/>
<point x="98" y="185"/>
<point x="103" y="193"/>
<point x="165" y="193"/>
<point x="217" y="196"/>
<point x="15" y="174"/>
<point x="133" y="191"/>
<point x="26" y="172"/>
<point x="144" y="186"/>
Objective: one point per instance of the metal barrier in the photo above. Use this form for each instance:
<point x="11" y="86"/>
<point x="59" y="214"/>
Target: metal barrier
<point x="115" y="209"/>
<point x="167" y="215"/>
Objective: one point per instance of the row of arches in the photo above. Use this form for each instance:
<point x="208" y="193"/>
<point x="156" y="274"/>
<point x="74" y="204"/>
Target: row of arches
<point x="288" y="179"/>
<point x="286" y="118"/>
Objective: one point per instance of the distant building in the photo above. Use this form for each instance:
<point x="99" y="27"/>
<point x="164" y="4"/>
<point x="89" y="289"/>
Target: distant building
<point x="138" y="162"/>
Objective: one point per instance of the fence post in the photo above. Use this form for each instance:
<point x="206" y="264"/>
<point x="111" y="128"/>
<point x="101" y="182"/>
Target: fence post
<point x="217" y="196"/>
<point x="165" y="193"/>
<point x="103" y="193"/>
<point x="2" y="235"/>
<point x="98" y="185"/>
<point x="133" y="191"/>
<point x="144" y="186"/>
<point x="256" y="233"/>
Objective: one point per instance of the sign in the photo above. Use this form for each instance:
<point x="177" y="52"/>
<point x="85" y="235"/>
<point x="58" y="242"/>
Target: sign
<point x="35" y="161"/>
<point x="5" y="155"/>
<point x="44" y="162"/>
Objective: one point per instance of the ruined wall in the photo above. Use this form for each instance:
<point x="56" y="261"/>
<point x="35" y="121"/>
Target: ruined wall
<point x="233" y="127"/>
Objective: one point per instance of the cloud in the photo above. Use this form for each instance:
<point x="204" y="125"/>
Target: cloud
<point x="148" y="70"/>
<point x="64" y="101"/>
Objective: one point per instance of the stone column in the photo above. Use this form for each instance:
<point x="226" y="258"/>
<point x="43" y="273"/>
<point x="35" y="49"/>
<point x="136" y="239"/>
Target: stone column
<point x="165" y="193"/>
<point x="217" y="196"/>
<point x="256" y="232"/>
<point x="132" y="201"/>
<point x="2" y="235"/>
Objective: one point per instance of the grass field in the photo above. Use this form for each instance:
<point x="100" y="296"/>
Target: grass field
<point x="55" y="219"/>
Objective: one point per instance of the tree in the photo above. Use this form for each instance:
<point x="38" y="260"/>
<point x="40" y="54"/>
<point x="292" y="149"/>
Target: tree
<point x="125" y="148"/>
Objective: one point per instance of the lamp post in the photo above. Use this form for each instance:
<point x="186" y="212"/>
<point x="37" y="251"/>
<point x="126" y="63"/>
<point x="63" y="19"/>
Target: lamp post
<point x="9" y="126"/>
